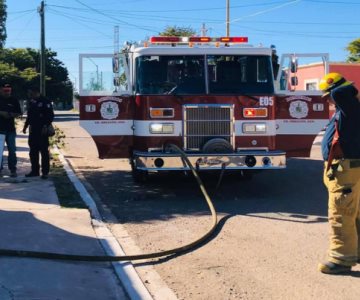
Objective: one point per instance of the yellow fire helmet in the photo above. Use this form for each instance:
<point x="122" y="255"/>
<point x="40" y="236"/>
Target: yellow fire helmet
<point x="331" y="81"/>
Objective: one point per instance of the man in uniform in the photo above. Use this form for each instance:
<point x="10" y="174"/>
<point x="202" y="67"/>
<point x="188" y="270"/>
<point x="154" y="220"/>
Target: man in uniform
<point x="9" y="110"/>
<point x="40" y="114"/>
<point x="341" y="153"/>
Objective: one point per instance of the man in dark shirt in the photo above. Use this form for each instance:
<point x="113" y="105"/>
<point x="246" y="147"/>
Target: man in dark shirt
<point x="40" y="114"/>
<point x="341" y="153"/>
<point x="9" y="110"/>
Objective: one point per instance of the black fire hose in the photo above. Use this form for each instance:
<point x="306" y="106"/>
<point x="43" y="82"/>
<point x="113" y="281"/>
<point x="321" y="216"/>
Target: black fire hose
<point x="182" y="249"/>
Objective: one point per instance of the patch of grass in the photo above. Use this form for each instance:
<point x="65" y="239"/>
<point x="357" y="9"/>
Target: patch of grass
<point x="68" y="196"/>
<point x="58" y="138"/>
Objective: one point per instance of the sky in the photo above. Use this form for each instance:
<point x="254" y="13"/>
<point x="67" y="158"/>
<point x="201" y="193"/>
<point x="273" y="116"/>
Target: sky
<point x="87" y="26"/>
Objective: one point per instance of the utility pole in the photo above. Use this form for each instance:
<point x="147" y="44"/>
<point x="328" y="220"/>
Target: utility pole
<point x="41" y="11"/>
<point x="227" y="17"/>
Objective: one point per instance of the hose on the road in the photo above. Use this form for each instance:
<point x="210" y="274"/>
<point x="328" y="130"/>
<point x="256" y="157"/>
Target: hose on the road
<point x="182" y="249"/>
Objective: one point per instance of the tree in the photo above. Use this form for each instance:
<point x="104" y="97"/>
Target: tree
<point x="354" y="49"/>
<point x="20" y="68"/>
<point x="177" y="31"/>
<point x="3" y="16"/>
<point x="59" y="88"/>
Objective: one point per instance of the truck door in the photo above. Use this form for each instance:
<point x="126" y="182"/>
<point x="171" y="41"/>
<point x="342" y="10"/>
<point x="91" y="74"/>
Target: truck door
<point x="106" y="103"/>
<point x="300" y="111"/>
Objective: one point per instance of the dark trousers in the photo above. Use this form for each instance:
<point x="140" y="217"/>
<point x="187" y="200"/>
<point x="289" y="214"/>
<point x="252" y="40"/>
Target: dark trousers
<point x="39" y="144"/>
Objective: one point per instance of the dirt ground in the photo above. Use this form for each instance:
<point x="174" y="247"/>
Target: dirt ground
<point x="271" y="235"/>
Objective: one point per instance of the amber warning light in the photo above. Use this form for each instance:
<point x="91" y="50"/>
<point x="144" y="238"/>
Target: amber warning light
<point x="199" y="39"/>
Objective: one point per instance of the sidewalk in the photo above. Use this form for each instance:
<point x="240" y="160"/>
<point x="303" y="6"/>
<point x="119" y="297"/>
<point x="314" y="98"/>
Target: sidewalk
<point x="31" y="219"/>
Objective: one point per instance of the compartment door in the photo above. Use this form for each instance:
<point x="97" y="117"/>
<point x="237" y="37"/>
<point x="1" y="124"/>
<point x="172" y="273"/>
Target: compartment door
<point x="107" y="104"/>
<point x="300" y="111"/>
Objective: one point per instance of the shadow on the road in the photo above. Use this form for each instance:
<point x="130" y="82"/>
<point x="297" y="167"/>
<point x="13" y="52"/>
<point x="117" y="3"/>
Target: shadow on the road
<point x="296" y="194"/>
<point x="38" y="278"/>
<point x="355" y="274"/>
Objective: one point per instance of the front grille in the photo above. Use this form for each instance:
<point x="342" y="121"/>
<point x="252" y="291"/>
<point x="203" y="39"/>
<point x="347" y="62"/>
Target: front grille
<point x="205" y="122"/>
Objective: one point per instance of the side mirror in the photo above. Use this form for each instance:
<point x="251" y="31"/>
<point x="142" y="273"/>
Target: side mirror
<point x="294" y="81"/>
<point x="116" y="81"/>
<point x="294" y="65"/>
<point x="115" y="64"/>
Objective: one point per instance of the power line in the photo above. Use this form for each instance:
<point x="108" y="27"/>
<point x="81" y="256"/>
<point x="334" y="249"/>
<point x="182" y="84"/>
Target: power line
<point x="21" y="16"/>
<point x="266" y="10"/>
<point x="304" y="34"/>
<point x="21" y="11"/>
<point x="25" y="27"/>
<point x="80" y="18"/>
<point x="300" y="23"/>
<point x="97" y="21"/>
<point x="332" y="2"/>
<point x="144" y="17"/>
<point x="85" y="25"/>
<point x="116" y="19"/>
<point x="179" y="10"/>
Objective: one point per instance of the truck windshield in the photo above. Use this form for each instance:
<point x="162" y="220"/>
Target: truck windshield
<point x="170" y="75"/>
<point x="240" y="74"/>
<point x="185" y="75"/>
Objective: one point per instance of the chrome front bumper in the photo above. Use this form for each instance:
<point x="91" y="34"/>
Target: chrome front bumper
<point x="257" y="160"/>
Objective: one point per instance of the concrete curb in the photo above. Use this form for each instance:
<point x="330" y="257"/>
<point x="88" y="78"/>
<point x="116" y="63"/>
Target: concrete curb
<point x="125" y="271"/>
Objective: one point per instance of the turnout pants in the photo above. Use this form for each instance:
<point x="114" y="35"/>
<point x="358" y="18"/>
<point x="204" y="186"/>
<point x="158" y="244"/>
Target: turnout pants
<point x="39" y="144"/>
<point x="343" y="184"/>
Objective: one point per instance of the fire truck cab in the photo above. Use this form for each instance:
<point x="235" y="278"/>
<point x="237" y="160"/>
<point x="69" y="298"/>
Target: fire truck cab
<point x="225" y="103"/>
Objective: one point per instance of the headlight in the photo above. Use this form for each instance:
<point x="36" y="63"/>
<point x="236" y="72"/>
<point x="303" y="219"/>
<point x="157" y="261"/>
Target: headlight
<point x="164" y="128"/>
<point x="254" y="128"/>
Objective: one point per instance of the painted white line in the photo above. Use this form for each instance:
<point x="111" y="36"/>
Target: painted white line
<point x="125" y="271"/>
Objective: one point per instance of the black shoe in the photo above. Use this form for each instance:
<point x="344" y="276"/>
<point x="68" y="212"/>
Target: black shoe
<point x="44" y="176"/>
<point x="31" y="174"/>
<point x="332" y="268"/>
<point x="13" y="174"/>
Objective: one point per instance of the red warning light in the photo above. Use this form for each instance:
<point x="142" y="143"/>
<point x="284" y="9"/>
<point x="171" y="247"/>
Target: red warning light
<point x="164" y="39"/>
<point x="249" y="112"/>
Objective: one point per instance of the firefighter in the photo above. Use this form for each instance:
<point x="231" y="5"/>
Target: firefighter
<point x="341" y="153"/>
<point x="40" y="114"/>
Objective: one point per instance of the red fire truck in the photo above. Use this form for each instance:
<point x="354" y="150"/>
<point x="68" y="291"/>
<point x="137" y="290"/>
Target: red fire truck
<point x="225" y="103"/>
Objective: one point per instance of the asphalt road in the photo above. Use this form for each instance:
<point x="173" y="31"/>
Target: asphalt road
<point x="272" y="230"/>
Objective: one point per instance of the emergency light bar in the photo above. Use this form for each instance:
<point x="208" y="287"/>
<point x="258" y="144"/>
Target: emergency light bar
<point x="197" y="39"/>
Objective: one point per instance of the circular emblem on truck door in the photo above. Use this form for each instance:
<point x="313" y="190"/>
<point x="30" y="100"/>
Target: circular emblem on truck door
<point x="298" y="109"/>
<point x="109" y="110"/>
